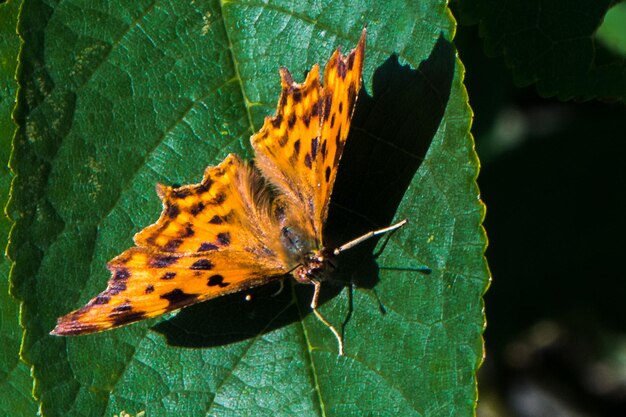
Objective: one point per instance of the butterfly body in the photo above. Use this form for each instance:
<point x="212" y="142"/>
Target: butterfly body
<point x="244" y="224"/>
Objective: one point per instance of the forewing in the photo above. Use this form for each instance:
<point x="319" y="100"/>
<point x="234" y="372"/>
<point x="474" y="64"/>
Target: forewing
<point x="227" y="209"/>
<point x="298" y="150"/>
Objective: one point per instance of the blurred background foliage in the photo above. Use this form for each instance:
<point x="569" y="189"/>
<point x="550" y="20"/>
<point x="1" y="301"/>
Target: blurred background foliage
<point x="546" y="82"/>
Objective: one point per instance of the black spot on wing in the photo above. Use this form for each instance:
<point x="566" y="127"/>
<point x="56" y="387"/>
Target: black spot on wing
<point x="204" y="186"/>
<point x="327" y="174"/>
<point x="197" y="209"/>
<point x="149" y="289"/>
<point x="202" y="265"/>
<point x="101" y="300"/>
<point x="223" y="239"/>
<point x="168" y="275"/>
<point x="188" y="232"/>
<point x="351" y="96"/>
<point x="351" y="61"/>
<point x="163" y="261"/>
<point x="341" y="69"/>
<point x="121" y="274"/>
<point x="118" y="283"/>
<point x="206" y="246"/>
<point x="339" y="147"/>
<point x="316" y="108"/>
<point x="181" y="192"/>
<point x="125" y="318"/>
<point x="178" y="298"/>
<point x="277" y="121"/>
<point x="307" y="161"/>
<point x="328" y="102"/>
<point x="217" y="280"/>
<point x="216" y="220"/>
<point x="313" y="148"/>
<point x="116" y="288"/>
<point x="219" y="199"/>
<point x="122" y="308"/>
<point x="172" y="245"/>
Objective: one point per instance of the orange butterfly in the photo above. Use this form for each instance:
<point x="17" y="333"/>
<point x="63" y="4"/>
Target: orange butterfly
<point x="245" y="224"/>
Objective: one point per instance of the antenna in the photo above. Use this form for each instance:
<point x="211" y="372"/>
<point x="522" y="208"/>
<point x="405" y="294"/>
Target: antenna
<point x="368" y="235"/>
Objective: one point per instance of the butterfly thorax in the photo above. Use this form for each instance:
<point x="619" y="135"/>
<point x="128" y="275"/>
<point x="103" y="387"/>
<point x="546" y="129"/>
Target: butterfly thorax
<point x="303" y="252"/>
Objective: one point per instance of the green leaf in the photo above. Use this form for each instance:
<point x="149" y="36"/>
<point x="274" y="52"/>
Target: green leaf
<point x="551" y="44"/>
<point x="115" y="99"/>
<point x="15" y="380"/>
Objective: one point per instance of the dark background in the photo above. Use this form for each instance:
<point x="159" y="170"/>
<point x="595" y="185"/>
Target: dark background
<point x="553" y="179"/>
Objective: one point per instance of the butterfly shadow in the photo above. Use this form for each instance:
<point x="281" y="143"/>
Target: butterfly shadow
<point x="392" y="130"/>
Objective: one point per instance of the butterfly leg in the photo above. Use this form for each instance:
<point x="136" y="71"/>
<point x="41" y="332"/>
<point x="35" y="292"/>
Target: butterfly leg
<point x="316" y="293"/>
<point x="280" y="288"/>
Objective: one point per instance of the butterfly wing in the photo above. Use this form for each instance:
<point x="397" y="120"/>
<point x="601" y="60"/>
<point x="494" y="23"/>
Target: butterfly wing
<point x="227" y="210"/>
<point x="298" y="150"/>
<point x="147" y="284"/>
<point x="212" y="238"/>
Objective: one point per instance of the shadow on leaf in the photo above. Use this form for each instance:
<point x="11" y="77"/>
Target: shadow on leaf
<point x="391" y="132"/>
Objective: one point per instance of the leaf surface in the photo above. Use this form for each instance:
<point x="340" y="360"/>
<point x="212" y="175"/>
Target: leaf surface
<point x="115" y="99"/>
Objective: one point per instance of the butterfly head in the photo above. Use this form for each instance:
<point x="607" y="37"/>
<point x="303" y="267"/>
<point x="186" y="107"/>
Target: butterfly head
<point x="312" y="267"/>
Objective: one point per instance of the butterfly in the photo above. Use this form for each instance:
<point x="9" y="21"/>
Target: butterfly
<point x="244" y="224"/>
